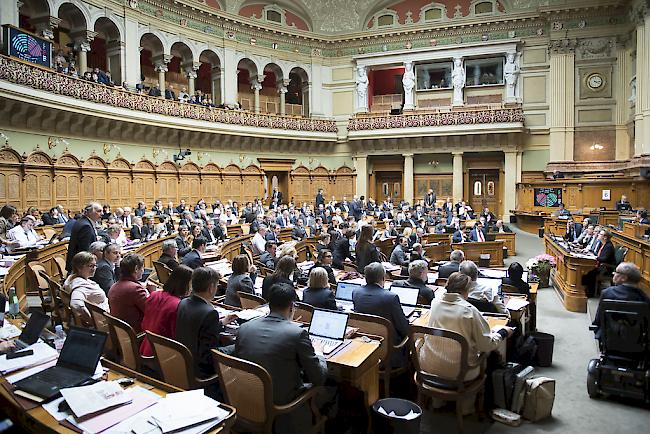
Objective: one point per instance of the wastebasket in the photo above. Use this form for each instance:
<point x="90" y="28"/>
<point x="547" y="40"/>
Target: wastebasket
<point x="394" y="422"/>
<point x="545" y="342"/>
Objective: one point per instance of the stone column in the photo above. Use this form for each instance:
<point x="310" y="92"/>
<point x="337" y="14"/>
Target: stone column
<point x="510" y="181"/>
<point x="217" y="85"/>
<point x="306" y="102"/>
<point x="282" y="90"/>
<point x="131" y="64"/>
<point x="256" y="85"/>
<point x="45" y="25"/>
<point x="361" y="167"/>
<point x="642" y="108"/>
<point x="160" y="66"/>
<point x="458" y="176"/>
<point x="229" y="82"/>
<point x="621" y="90"/>
<point x="562" y="99"/>
<point x="519" y="165"/>
<point x="81" y="41"/>
<point x="9" y="15"/>
<point x="408" y="178"/>
<point x="190" y="72"/>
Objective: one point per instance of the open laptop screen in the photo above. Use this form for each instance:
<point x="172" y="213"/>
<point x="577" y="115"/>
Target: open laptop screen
<point x="328" y="324"/>
<point x="344" y="290"/>
<point x="408" y="296"/>
<point x="34" y="327"/>
<point x="82" y="350"/>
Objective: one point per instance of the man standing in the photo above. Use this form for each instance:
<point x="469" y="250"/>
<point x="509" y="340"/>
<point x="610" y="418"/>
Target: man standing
<point x="83" y="232"/>
<point x="320" y="200"/>
<point x="276" y="196"/>
<point x="430" y="200"/>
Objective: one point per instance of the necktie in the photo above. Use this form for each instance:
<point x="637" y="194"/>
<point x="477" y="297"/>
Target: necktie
<point x="480" y="236"/>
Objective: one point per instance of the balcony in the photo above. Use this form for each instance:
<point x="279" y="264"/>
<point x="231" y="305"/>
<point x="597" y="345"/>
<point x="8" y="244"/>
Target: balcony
<point x="44" y="86"/>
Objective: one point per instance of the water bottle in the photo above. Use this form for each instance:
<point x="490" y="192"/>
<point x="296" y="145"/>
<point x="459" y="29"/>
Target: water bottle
<point x="14" y="306"/>
<point x="59" y="340"/>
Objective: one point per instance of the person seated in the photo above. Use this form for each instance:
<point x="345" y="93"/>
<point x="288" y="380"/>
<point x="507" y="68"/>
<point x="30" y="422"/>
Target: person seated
<point x="23" y="234"/>
<point x="418" y="277"/>
<point x="605" y="261"/>
<point x="390" y="230"/>
<point x="478" y="233"/>
<point x="453" y="312"/>
<point x="298" y="232"/>
<point x="283" y="270"/>
<point x="82" y="289"/>
<point x="341" y="249"/>
<point x="623" y="204"/>
<point x="197" y="321"/>
<point x="128" y="296"/>
<point x="500" y="228"/>
<point x="259" y="240"/>
<point x="138" y="231"/>
<point x="561" y="211"/>
<point x="398" y="255"/>
<point x="417" y="254"/>
<point x="459" y="235"/>
<point x="374" y="299"/>
<point x="481" y="292"/>
<point x="626" y="288"/>
<point x="268" y="258"/>
<point x="182" y="240"/>
<point x="193" y="259"/>
<point x="445" y="270"/>
<point x="108" y="270"/>
<point x="585" y="236"/>
<point x="642" y="217"/>
<point x="161" y="306"/>
<point x="318" y="292"/>
<point x="168" y="257"/>
<point x="573" y="231"/>
<point x="242" y="279"/>
<point x="515" y="273"/>
<point x="284" y="349"/>
<point x="324" y="260"/>
<point x="490" y="219"/>
<point x="365" y="250"/>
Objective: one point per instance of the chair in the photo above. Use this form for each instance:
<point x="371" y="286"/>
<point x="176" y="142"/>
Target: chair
<point x="48" y="299"/>
<point x="250" y="301"/>
<point x="100" y="322"/>
<point x="249" y="388"/>
<point x="448" y="382"/>
<point x="441" y="281"/>
<point x="59" y="261"/>
<point x="604" y="277"/>
<point x="509" y="289"/>
<point x="381" y="327"/>
<point x="162" y="271"/>
<point x="176" y="364"/>
<point x="128" y="344"/>
<point x="48" y="233"/>
<point x="303" y="312"/>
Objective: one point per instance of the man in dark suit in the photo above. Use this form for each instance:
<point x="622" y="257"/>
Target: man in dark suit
<point x="273" y="233"/>
<point x="445" y="270"/>
<point x="573" y="231"/>
<point x="107" y="271"/>
<point x="197" y="321"/>
<point x="398" y="255"/>
<point x="169" y="93"/>
<point x="298" y="233"/>
<point x="320" y="200"/>
<point x="276" y="195"/>
<point x="284" y="349"/>
<point x="181" y="207"/>
<point x="623" y="204"/>
<point x="499" y="227"/>
<point x="478" y="233"/>
<point x="356" y="208"/>
<point x="418" y="277"/>
<point x="168" y="257"/>
<point x="430" y="200"/>
<point x="52" y="217"/>
<point x="626" y="288"/>
<point x="83" y="232"/>
<point x="155" y="91"/>
<point x="181" y="242"/>
<point x="284" y="220"/>
<point x="605" y="261"/>
<point x="193" y="258"/>
<point x="268" y="258"/>
<point x="459" y="236"/>
<point x="373" y="299"/>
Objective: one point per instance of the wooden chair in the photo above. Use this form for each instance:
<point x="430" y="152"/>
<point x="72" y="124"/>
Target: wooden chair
<point x="48" y="233"/>
<point x="381" y="327"/>
<point x="250" y="301"/>
<point x="509" y="289"/>
<point x="175" y="363"/>
<point x="303" y="312"/>
<point x="441" y="281"/>
<point x="128" y="344"/>
<point x="100" y="322"/>
<point x="59" y="261"/>
<point x="448" y="382"/>
<point x="162" y="271"/>
<point x="48" y="298"/>
<point x="249" y="388"/>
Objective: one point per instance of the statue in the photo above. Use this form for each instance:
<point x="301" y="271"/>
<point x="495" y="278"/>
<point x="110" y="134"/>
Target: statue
<point x="408" y="82"/>
<point x="510" y="74"/>
<point x="458" y="80"/>
<point x="362" y="89"/>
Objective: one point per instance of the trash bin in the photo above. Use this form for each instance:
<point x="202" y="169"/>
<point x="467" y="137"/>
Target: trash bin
<point x="545" y="342"/>
<point x="397" y="423"/>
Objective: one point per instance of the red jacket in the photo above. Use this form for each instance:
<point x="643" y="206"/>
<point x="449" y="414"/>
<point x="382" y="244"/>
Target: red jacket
<point x="159" y="317"/>
<point x="126" y="299"/>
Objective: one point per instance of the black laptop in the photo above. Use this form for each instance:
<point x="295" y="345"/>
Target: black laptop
<point x="76" y="364"/>
<point x="33" y="329"/>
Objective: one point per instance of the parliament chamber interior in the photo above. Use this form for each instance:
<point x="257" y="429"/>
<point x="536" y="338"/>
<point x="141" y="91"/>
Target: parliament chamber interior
<point x="324" y="216"/>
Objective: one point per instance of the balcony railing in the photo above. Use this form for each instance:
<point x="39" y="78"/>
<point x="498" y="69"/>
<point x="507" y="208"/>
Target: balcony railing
<point x="457" y="116"/>
<point x="36" y="77"/>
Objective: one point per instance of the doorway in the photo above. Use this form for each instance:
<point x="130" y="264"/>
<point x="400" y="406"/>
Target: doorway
<point x="389" y="185"/>
<point x="279" y="180"/>
<point x="484" y="190"/>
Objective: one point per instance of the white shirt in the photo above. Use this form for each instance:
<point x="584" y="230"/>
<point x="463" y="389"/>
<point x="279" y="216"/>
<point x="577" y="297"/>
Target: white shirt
<point x="26" y="237"/>
<point x="259" y="243"/>
<point x="482" y="292"/>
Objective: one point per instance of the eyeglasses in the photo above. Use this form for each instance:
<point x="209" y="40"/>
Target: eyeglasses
<point x="93" y="265"/>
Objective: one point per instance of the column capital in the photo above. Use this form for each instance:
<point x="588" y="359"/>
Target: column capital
<point x="639" y="12"/>
<point x="563" y="46"/>
<point x="280" y="86"/>
<point x="82" y="39"/>
<point x="256" y="83"/>
<point x="45" y="25"/>
<point x="160" y="62"/>
<point x="408" y="155"/>
<point x="457" y="153"/>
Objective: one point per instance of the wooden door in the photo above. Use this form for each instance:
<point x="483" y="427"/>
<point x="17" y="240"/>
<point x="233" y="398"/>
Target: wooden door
<point x="484" y="190"/>
<point x="389" y="185"/>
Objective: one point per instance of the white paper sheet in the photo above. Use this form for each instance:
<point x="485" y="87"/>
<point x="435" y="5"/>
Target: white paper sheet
<point x="94" y="398"/>
<point x="42" y="353"/>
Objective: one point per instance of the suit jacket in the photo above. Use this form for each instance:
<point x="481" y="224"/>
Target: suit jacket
<point x="398" y="256"/>
<point x="573" y="234"/>
<point x="426" y="293"/>
<point x="623" y="206"/>
<point x="239" y="282"/>
<point x="193" y="259"/>
<point x="445" y="270"/>
<point x="319" y="200"/>
<point x="322" y="298"/>
<point x="619" y="292"/>
<point x="365" y="253"/>
<point x="127" y="298"/>
<point x="183" y="248"/>
<point x="330" y="273"/>
<point x="140" y="212"/>
<point x="340" y="251"/>
<point x="269" y="281"/>
<point x="169" y="94"/>
<point x="458" y="236"/>
<point x="267" y="260"/>
<point x="83" y="234"/>
<point x="137" y="233"/>
<point x="105" y="275"/>
<point x="474" y="235"/>
<point x="271" y="236"/>
<point x="198" y="328"/>
<point x="283" y="348"/>
<point x="49" y="220"/>
<point x="607" y="254"/>
<point x="159" y="317"/>
<point x="277" y="195"/>
<point x="169" y="260"/>
<point x="430" y="200"/>
<point x="298" y="233"/>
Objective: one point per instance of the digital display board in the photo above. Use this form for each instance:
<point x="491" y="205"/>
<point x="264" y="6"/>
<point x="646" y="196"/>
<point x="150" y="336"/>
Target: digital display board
<point x="27" y="47"/>
<point x="551" y="197"/>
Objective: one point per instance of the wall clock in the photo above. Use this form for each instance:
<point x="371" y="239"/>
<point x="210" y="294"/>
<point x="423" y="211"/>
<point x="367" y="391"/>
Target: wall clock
<point x="595" y="81"/>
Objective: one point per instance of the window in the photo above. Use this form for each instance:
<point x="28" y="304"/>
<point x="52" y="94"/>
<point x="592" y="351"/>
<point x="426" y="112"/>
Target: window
<point x="433" y="75"/>
<point x="385" y="20"/>
<point x="274" y="16"/>
<point x="433" y="14"/>
<point x="478" y="188"/>
<point x="483" y="72"/>
<point x="483" y="8"/>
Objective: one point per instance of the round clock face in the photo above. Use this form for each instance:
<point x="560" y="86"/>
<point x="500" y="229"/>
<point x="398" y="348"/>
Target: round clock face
<point x="595" y="81"/>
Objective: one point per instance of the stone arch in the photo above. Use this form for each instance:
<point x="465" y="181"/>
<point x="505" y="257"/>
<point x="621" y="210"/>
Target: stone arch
<point x="75" y="16"/>
<point x="183" y="50"/>
<point x="153" y="41"/>
<point x="95" y="162"/>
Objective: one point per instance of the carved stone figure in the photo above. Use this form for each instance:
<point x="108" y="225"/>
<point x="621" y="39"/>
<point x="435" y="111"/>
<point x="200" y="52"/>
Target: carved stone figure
<point x="362" y="89"/>
<point x="458" y="80"/>
<point x="510" y="74"/>
<point x="408" y="82"/>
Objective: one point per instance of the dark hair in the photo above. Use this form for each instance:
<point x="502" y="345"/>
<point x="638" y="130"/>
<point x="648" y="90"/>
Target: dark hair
<point x="198" y="242"/>
<point x="349" y="233"/>
<point x="240" y="264"/>
<point x="322" y="254"/>
<point x="270" y="244"/>
<point x="285" y="266"/>
<point x="281" y="296"/>
<point x="130" y="262"/>
<point x="643" y="213"/>
<point x="203" y="277"/>
<point x="7" y="211"/>
<point x="515" y="270"/>
<point x="366" y="234"/>
<point x="178" y="283"/>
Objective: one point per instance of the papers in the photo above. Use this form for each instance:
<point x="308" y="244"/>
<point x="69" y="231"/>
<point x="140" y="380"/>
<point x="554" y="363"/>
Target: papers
<point x="52" y="408"/>
<point x="42" y="353"/>
<point x="492" y="273"/>
<point x="249" y="314"/>
<point x="409" y="416"/>
<point x="305" y="265"/>
<point x="222" y="266"/>
<point x="9" y="331"/>
<point x="516" y="303"/>
<point x="390" y="267"/>
<point x="97" y="397"/>
<point x="14" y="378"/>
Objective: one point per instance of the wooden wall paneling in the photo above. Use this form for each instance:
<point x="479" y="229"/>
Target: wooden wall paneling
<point x="320" y="179"/>
<point x="211" y="183"/>
<point x="190" y="182"/>
<point x="167" y="179"/>
<point x="345" y="180"/>
<point x="67" y="170"/>
<point x="11" y="178"/>
<point x="119" y="183"/>
<point x="253" y="184"/>
<point x="232" y="183"/>
<point x="144" y="182"/>
<point x="38" y="180"/>
<point x="442" y="185"/>
<point x="94" y="180"/>
<point x="300" y="189"/>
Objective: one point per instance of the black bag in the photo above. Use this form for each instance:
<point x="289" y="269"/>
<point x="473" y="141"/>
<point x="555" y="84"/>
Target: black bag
<point x="504" y="382"/>
<point x="523" y="350"/>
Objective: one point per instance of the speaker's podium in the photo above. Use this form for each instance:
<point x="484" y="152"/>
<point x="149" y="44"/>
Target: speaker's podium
<point x="473" y="251"/>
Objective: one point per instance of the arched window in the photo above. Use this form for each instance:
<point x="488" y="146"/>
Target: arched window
<point x="385" y="20"/>
<point x="274" y="16"/>
<point x="478" y="188"/>
<point x="432" y="14"/>
<point x="486" y="7"/>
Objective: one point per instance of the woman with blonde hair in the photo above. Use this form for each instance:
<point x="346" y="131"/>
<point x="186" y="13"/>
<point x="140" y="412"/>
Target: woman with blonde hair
<point x="318" y="292"/>
<point x="82" y="289"/>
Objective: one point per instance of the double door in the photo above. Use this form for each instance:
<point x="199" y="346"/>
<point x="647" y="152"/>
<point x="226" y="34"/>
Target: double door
<point x="484" y="190"/>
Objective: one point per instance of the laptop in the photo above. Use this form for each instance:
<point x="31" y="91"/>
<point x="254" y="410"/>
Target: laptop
<point x="76" y="364"/>
<point x="344" y="293"/>
<point x="408" y="298"/>
<point x="33" y="329"/>
<point x="328" y="327"/>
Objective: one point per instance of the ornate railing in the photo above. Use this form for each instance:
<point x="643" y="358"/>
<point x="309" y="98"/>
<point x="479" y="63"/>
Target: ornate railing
<point x="440" y="119"/>
<point x="39" y="78"/>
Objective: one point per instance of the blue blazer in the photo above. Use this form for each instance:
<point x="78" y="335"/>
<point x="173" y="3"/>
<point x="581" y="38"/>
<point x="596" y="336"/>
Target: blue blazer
<point x="473" y="236"/>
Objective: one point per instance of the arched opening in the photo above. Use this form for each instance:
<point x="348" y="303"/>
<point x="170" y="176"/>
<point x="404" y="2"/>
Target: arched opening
<point x="72" y="36"/>
<point x="106" y="50"/>
<point x="209" y="80"/>
<point x="248" y="85"/>
<point x="151" y="52"/>
<point x="181" y="71"/>
<point x="274" y="88"/>
<point x="35" y="16"/>
<point x="298" y="92"/>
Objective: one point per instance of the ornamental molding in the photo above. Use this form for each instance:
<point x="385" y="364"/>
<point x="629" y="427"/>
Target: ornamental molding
<point x="562" y="46"/>
<point x="596" y="48"/>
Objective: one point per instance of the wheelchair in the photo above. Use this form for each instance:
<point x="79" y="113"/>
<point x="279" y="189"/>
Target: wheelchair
<point x="623" y="368"/>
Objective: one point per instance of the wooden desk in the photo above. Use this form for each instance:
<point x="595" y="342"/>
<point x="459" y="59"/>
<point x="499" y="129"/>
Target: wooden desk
<point x="508" y="239"/>
<point x="437" y="253"/>
<point x="529" y="221"/>
<point x="358" y="364"/>
<point x="638" y="252"/>
<point x="473" y="251"/>
<point x="567" y="277"/>
<point x="492" y="321"/>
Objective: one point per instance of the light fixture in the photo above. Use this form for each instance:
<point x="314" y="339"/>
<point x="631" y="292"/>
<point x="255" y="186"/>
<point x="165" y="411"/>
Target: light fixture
<point x="433" y="163"/>
<point x="52" y="142"/>
<point x="596" y="147"/>
<point x="112" y="147"/>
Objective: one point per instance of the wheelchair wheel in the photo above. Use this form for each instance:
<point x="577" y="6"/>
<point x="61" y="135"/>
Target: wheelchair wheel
<point x="592" y="387"/>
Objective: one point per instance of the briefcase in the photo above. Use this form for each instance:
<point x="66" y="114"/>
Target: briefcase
<point x="504" y="382"/>
<point x="539" y="398"/>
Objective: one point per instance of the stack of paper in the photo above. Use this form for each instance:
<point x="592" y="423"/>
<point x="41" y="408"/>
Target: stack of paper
<point x="95" y="398"/>
<point x="185" y="409"/>
<point x="9" y="331"/>
<point x="249" y="314"/>
<point x="42" y="353"/>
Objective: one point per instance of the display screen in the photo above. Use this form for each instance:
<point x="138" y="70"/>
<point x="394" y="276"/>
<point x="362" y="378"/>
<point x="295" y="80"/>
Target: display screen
<point x="548" y="196"/>
<point x="28" y="47"/>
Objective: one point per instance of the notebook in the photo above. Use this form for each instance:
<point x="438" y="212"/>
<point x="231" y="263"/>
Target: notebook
<point x="408" y="298"/>
<point x="33" y="329"/>
<point x="76" y="364"/>
<point x="344" y="293"/>
<point x="328" y="327"/>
